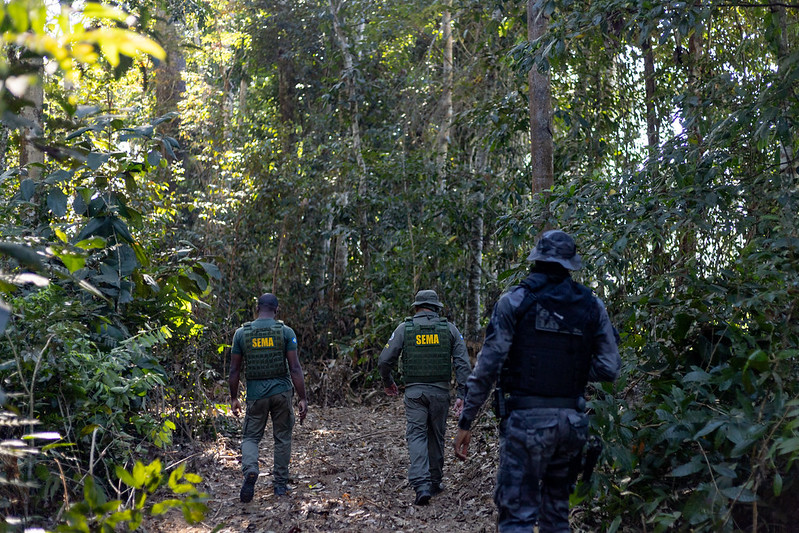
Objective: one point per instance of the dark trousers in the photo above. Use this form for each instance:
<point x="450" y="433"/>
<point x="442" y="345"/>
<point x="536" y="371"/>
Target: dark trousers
<point x="536" y="446"/>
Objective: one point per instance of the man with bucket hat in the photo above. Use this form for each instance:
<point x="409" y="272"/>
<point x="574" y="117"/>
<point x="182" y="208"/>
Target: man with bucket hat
<point x="547" y="338"/>
<point x="430" y="347"/>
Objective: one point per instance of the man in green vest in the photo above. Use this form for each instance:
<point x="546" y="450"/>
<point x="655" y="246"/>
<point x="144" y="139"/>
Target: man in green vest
<point x="268" y="348"/>
<point x="430" y="347"/>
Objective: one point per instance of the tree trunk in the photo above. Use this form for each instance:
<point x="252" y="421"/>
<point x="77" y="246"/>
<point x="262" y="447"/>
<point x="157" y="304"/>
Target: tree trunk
<point x="355" y="132"/>
<point x="444" y="130"/>
<point x="787" y="156"/>
<point x="652" y="126"/>
<point x="541" y="147"/>
<point x="168" y="78"/>
<point x="29" y="154"/>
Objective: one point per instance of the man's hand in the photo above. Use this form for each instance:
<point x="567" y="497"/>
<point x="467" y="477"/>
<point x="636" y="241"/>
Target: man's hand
<point x="235" y="406"/>
<point x="458" y="407"/>
<point x="462" y="440"/>
<point x="391" y="390"/>
<point x="303" y="405"/>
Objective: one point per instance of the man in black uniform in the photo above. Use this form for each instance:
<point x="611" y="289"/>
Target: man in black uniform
<point x="430" y="347"/>
<point x="547" y="338"/>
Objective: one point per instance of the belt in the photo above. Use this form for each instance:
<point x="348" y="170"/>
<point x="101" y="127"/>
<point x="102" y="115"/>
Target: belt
<point x="532" y="402"/>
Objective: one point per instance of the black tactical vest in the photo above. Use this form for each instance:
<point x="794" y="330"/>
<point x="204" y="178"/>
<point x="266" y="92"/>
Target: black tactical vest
<point x="426" y="354"/>
<point x="552" y="345"/>
<point x="264" y="353"/>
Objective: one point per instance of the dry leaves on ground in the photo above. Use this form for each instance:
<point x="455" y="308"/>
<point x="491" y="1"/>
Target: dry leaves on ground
<point x="349" y="473"/>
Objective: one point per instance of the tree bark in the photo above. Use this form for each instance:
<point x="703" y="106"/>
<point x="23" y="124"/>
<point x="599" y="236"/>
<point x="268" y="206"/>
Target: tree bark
<point x="355" y="132"/>
<point x="168" y="77"/>
<point x="541" y="144"/>
<point x="652" y="125"/>
<point x="787" y="156"/>
<point x="444" y="130"/>
<point x="29" y="154"/>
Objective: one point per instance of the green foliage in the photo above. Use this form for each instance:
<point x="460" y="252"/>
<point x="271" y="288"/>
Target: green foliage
<point x="97" y="513"/>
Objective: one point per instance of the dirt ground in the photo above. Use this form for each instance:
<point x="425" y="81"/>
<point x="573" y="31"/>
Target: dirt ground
<point x="348" y="473"/>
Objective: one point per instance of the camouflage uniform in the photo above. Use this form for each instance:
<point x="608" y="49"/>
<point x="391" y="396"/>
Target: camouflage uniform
<point x="542" y="434"/>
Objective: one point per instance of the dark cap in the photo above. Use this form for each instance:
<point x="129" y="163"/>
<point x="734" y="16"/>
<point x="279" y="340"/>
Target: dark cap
<point x="267" y="301"/>
<point x="427" y="298"/>
<point x="557" y="246"/>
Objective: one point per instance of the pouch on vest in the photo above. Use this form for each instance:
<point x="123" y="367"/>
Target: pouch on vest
<point x="426" y="352"/>
<point x="264" y="352"/>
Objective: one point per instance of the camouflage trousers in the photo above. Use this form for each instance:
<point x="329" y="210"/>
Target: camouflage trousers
<point x="278" y="406"/>
<point x="536" y="446"/>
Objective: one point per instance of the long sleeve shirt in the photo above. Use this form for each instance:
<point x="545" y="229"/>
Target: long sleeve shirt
<point x="605" y="362"/>
<point x="391" y="352"/>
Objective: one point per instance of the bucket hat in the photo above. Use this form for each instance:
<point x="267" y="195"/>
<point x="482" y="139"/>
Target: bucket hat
<point x="427" y="298"/>
<point x="557" y="246"/>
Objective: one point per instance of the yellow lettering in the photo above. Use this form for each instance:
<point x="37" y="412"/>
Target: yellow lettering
<point x="263" y="342"/>
<point x="427" y="339"/>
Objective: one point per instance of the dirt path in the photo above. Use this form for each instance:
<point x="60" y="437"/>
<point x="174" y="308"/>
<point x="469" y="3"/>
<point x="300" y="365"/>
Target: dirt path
<point x="348" y="473"/>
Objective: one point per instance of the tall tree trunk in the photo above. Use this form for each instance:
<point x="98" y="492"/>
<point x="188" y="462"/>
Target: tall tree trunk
<point x="444" y="130"/>
<point x="285" y="96"/>
<point x="168" y="77"/>
<point x="541" y="144"/>
<point x="29" y="154"/>
<point x="475" y="281"/>
<point x="688" y="234"/>
<point x="355" y="131"/>
<point x="653" y="145"/>
<point x="787" y="156"/>
<point x="652" y="125"/>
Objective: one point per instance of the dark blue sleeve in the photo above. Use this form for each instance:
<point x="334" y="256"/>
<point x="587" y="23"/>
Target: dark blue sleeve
<point x="606" y="363"/>
<point x="499" y="336"/>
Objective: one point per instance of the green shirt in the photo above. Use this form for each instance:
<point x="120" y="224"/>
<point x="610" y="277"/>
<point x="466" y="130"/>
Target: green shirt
<point x="263" y="388"/>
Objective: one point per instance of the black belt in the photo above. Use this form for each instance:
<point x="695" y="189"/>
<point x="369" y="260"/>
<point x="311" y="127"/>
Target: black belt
<point x="532" y="402"/>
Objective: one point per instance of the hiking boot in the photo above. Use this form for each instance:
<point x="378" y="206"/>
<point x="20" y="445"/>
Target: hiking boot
<point x="436" y="489"/>
<point x="248" y="488"/>
<point x="422" y="497"/>
<point x="281" y="490"/>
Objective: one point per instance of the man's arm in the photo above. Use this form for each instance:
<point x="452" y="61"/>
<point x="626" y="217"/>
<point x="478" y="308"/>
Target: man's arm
<point x="233" y="381"/>
<point x="499" y="337"/>
<point x="460" y="360"/>
<point x="606" y="363"/>
<point x="295" y="371"/>
<point x="388" y="359"/>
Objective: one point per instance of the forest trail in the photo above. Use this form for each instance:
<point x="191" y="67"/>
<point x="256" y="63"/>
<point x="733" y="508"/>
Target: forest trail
<point x="348" y="473"/>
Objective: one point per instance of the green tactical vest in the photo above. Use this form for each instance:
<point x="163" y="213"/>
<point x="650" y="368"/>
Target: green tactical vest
<point x="264" y="353"/>
<point x="426" y="354"/>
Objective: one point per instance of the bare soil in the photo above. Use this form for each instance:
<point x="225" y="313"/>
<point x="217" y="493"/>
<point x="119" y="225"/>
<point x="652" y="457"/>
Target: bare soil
<point x="348" y="473"/>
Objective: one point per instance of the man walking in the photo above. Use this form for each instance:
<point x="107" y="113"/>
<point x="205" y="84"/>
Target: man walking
<point x="547" y="338"/>
<point x="430" y="347"/>
<point x="269" y="350"/>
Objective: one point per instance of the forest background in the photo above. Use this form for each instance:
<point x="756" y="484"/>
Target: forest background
<point x="166" y="162"/>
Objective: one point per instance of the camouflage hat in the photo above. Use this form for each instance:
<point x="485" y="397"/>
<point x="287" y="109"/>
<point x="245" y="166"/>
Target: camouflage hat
<point x="557" y="246"/>
<point x="427" y="298"/>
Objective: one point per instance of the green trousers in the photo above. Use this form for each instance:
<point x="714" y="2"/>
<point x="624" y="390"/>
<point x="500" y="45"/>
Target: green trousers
<point x="278" y="406"/>
<point x="426" y="422"/>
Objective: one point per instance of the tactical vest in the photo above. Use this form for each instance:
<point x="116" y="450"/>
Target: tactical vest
<point x="426" y="354"/>
<point x="552" y="346"/>
<point x="264" y="353"/>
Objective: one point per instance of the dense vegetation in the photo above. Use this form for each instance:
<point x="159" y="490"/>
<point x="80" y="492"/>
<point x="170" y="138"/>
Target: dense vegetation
<point x="346" y="154"/>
